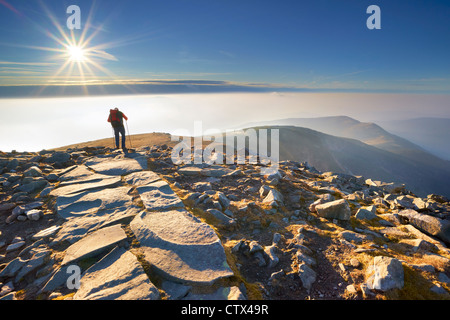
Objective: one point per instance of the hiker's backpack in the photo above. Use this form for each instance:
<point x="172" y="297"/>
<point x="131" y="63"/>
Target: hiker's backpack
<point x="116" y="118"/>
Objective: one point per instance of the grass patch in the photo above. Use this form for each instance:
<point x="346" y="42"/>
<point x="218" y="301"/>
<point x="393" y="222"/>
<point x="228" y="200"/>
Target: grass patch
<point x="417" y="287"/>
<point x="70" y="295"/>
<point x="253" y="291"/>
<point x="86" y="263"/>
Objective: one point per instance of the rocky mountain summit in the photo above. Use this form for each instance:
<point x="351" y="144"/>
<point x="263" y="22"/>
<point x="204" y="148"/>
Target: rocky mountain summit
<point x="136" y="226"/>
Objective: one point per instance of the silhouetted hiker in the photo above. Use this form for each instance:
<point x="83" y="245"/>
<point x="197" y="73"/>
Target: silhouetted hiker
<point x="116" y="118"/>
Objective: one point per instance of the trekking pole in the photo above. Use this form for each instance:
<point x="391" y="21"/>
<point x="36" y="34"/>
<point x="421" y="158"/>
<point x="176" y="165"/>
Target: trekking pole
<point x="129" y="138"/>
<point x="113" y="137"/>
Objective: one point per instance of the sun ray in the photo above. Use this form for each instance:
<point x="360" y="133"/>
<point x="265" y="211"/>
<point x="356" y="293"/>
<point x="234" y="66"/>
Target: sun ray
<point x="77" y="58"/>
<point x="87" y="24"/>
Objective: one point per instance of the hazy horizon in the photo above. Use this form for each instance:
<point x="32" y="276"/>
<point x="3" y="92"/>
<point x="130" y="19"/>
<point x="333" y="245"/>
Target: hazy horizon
<point x="225" y="63"/>
<point x="45" y="123"/>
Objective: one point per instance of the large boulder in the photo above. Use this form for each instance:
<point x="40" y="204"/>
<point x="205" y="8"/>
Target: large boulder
<point x="385" y="274"/>
<point x="273" y="197"/>
<point x="338" y="209"/>
<point x="429" y="224"/>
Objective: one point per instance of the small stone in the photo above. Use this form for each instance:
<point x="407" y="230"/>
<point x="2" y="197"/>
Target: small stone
<point x="274" y="198"/>
<point x="271" y="253"/>
<point x="442" y="277"/>
<point x="352" y="236"/>
<point x="38" y="259"/>
<point x="15" y="246"/>
<point x="237" y="246"/>
<point x="7" y="288"/>
<point x="221" y="217"/>
<point x="365" y="291"/>
<point x="54" y="295"/>
<point x="12" y="267"/>
<point x="224" y="201"/>
<point x="365" y="214"/>
<point x="7" y="206"/>
<point x="34" y="214"/>
<point x="276" y="276"/>
<point x="202" y="186"/>
<point x="355" y="263"/>
<point x="424" y="267"/>
<point x="33" y="172"/>
<point x="304" y="258"/>
<point x="438" y="289"/>
<point x="307" y="276"/>
<point x="351" y="289"/>
<point x="46" y="232"/>
<point x="276" y="238"/>
<point x="255" y="247"/>
<point x="338" y="209"/>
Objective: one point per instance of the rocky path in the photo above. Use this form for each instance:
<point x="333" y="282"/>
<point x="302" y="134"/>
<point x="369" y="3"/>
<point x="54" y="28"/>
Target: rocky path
<point x="137" y="227"/>
<point x="103" y="199"/>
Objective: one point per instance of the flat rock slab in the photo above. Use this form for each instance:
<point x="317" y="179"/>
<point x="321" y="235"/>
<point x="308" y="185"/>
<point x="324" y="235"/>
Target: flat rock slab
<point x="180" y="247"/>
<point x="90" y="210"/>
<point x="91" y="245"/>
<point x="212" y="171"/>
<point x="118" y="276"/>
<point x="94" y="181"/>
<point x="159" y="196"/>
<point x="215" y="171"/>
<point x="117" y="166"/>
<point x="190" y="171"/>
<point x="142" y="178"/>
<point x="86" y="202"/>
<point x="75" y="172"/>
<point x="46" y="232"/>
<point x="429" y="224"/>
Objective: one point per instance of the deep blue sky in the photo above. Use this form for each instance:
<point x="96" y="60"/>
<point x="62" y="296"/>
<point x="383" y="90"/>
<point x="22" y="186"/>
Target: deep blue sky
<point x="320" y="44"/>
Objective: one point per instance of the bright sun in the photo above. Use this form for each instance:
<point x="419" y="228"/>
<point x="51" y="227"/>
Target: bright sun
<point x="76" y="53"/>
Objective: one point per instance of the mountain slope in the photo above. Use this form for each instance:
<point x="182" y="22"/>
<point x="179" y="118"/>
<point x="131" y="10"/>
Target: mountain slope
<point x="344" y="155"/>
<point x="432" y="134"/>
<point x="346" y="127"/>
<point x="371" y="134"/>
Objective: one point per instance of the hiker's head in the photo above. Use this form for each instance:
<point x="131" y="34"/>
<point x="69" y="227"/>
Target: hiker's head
<point x="117" y="109"/>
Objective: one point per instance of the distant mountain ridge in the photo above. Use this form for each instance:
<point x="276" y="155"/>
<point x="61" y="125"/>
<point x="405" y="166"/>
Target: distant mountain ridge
<point x="368" y="133"/>
<point x="432" y="134"/>
<point x="422" y="172"/>
<point x="382" y="156"/>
